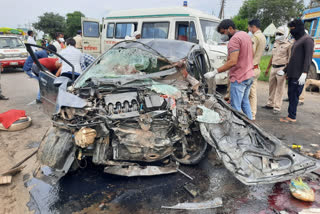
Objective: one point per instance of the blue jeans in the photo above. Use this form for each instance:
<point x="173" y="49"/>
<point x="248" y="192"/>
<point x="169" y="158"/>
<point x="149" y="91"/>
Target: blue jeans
<point x="32" y="75"/>
<point x="239" y="95"/>
<point x="294" y="91"/>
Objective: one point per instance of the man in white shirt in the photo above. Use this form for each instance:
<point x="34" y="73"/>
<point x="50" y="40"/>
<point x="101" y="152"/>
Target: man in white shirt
<point x="73" y="55"/>
<point x="56" y="42"/>
<point x="31" y="40"/>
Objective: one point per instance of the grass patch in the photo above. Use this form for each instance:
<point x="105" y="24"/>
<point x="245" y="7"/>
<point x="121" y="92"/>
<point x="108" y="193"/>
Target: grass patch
<point x="263" y="66"/>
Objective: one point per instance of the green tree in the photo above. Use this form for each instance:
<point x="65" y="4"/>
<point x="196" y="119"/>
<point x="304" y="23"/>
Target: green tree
<point x="73" y="23"/>
<point x="50" y="23"/>
<point x="277" y="11"/>
<point x="241" y="24"/>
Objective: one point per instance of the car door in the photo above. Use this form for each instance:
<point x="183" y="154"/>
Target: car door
<point x="91" y="41"/>
<point x="48" y="89"/>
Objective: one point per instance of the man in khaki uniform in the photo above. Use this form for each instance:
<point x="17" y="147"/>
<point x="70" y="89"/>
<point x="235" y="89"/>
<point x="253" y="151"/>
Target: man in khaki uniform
<point x="78" y="39"/>
<point x="259" y="45"/>
<point x="280" y="56"/>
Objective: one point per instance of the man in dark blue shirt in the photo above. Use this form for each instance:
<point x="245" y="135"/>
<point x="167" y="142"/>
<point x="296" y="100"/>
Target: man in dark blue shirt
<point x="29" y="62"/>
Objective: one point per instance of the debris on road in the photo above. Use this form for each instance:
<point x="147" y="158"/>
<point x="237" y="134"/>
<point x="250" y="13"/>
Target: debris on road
<point x="5" y="180"/>
<point x="217" y="202"/>
<point x="185" y="174"/>
<point x="317" y="154"/>
<point x="310" y="211"/>
<point x="192" y="189"/>
<point x="301" y="190"/>
<point x="13" y="171"/>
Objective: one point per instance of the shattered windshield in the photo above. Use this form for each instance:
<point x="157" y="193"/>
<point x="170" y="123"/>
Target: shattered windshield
<point x="121" y="62"/>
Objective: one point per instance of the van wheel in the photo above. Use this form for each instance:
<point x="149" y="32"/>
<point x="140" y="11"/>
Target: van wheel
<point x="313" y="72"/>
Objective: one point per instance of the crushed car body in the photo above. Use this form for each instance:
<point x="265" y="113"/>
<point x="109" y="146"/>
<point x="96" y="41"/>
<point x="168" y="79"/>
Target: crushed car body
<point x="143" y="106"/>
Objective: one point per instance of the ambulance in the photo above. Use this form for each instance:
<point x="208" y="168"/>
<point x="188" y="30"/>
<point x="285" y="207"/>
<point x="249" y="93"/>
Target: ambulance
<point x="13" y="52"/>
<point x="177" y="23"/>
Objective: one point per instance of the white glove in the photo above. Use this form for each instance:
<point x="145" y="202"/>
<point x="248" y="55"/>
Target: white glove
<point x="302" y="79"/>
<point x="280" y="72"/>
<point x="211" y="74"/>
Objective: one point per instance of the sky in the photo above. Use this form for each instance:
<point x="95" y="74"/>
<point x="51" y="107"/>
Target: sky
<point x="21" y="13"/>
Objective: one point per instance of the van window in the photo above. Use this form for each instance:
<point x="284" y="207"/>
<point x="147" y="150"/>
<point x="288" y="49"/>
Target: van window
<point x="314" y="27"/>
<point x="209" y="31"/>
<point x="182" y="31"/>
<point x="192" y="33"/>
<point x="91" y="29"/>
<point x="156" y="30"/>
<point x="124" y="29"/>
<point x="110" y="30"/>
<point x="186" y="31"/>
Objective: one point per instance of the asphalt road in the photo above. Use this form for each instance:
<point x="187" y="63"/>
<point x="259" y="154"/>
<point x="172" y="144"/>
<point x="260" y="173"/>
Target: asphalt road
<point x="91" y="191"/>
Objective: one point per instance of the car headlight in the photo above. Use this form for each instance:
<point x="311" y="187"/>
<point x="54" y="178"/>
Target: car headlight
<point x="2" y="56"/>
<point x="24" y="55"/>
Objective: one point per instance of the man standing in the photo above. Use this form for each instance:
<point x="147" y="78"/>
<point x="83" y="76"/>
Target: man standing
<point x="280" y="56"/>
<point x="78" y="39"/>
<point x="56" y="42"/>
<point x="239" y="64"/>
<point x="259" y="44"/>
<point x="2" y="97"/>
<point x="30" y="40"/>
<point x="298" y="66"/>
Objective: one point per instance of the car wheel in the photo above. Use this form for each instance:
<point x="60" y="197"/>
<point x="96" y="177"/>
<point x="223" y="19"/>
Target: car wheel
<point x="196" y="149"/>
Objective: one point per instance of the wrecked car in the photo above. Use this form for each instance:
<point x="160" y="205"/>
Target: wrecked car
<point x="144" y="106"/>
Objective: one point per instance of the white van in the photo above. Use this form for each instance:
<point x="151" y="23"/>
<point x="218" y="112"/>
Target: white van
<point x="181" y="23"/>
<point x="13" y="53"/>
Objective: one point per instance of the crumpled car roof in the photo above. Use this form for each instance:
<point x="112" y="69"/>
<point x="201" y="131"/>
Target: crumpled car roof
<point x="173" y="50"/>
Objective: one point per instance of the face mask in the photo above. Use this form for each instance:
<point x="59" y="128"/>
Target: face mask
<point x="279" y="38"/>
<point x="224" y="38"/>
<point x="250" y="34"/>
<point x="298" y="32"/>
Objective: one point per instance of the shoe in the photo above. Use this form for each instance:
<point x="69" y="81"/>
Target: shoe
<point x="267" y="107"/>
<point x="286" y="100"/>
<point x="287" y="120"/>
<point x="3" y="97"/>
<point x="38" y="101"/>
<point x="301" y="103"/>
<point x="276" y="112"/>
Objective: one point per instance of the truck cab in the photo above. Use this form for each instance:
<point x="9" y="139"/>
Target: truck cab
<point x="180" y="23"/>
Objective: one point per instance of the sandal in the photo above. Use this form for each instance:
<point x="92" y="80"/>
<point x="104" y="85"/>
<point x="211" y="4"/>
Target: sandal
<point x="287" y="120"/>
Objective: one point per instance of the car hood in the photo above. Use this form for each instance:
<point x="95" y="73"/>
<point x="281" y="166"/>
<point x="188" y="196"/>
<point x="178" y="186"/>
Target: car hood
<point x="251" y="154"/>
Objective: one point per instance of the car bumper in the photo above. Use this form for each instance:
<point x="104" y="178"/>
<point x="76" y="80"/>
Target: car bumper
<point x="13" y="63"/>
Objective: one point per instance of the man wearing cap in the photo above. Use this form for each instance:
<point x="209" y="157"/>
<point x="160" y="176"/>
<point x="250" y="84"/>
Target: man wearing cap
<point x="136" y="35"/>
<point x="259" y="44"/>
<point x="280" y="56"/>
<point x="78" y="39"/>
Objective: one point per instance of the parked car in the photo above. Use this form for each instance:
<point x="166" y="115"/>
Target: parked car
<point x="13" y="52"/>
<point x="142" y="107"/>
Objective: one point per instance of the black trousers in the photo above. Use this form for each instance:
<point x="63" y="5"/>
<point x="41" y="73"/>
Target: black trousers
<point x="294" y="91"/>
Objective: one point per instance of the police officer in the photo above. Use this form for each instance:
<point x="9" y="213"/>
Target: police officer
<point x="277" y="80"/>
<point x="259" y="45"/>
